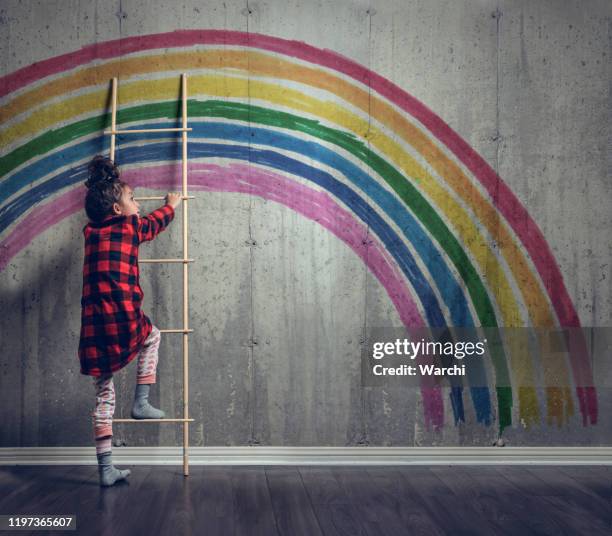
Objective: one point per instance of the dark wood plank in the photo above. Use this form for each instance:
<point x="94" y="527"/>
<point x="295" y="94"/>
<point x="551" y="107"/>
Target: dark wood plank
<point x="49" y="490"/>
<point x="15" y="476"/>
<point x="330" y="503"/>
<point x="40" y="482"/>
<point x="322" y="486"/>
<point x="213" y="500"/>
<point x="376" y="516"/>
<point x="17" y="480"/>
<point x="179" y="513"/>
<point x="106" y="511"/>
<point x="252" y="503"/>
<point x="338" y="520"/>
<point x="68" y="502"/>
<point x="542" y="491"/>
<point x="525" y="482"/>
<point x="64" y="496"/>
<point x="397" y="495"/>
<point x="488" y="503"/>
<point x="507" y="508"/>
<point x="566" y="484"/>
<point x="454" y="515"/>
<point x="291" y="504"/>
<point x="150" y="506"/>
<point x="577" y="519"/>
<point x="592" y="470"/>
<point x="424" y="481"/>
<point x="596" y="479"/>
<point x="576" y="495"/>
<point x="455" y="478"/>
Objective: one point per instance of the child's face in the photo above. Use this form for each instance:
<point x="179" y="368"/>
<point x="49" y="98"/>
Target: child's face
<point x="128" y="206"/>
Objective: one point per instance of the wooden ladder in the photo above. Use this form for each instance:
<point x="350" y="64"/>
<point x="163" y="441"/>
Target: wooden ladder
<point x="185" y="260"/>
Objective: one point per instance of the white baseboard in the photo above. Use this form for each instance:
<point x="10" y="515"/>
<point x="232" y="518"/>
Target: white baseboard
<point x="260" y="455"/>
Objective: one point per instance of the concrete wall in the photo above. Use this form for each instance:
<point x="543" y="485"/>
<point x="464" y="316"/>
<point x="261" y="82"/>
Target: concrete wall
<point x="279" y="302"/>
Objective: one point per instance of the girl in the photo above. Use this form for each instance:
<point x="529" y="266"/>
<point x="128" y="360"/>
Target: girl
<point x="114" y="330"/>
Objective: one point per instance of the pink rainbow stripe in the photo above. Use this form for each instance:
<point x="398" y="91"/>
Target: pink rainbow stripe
<point x="313" y="204"/>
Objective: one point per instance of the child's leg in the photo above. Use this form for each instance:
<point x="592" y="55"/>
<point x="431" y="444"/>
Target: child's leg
<point x="103" y="412"/>
<point x="148" y="357"/>
<point x="145" y="376"/>
<point x="103" y="430"/>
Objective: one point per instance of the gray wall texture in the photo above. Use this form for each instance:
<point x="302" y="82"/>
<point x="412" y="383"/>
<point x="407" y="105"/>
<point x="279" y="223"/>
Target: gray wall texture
<point x="279" y="303"/>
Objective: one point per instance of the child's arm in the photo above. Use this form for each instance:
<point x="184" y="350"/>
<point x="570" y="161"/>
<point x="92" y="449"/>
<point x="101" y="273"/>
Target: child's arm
<point x="151" y="225"/>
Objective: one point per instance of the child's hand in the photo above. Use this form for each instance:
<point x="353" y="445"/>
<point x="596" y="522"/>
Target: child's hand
<point x="173" y="198"/>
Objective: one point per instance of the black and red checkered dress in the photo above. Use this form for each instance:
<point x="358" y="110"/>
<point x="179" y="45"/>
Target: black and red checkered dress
<point x="113" y="327"/>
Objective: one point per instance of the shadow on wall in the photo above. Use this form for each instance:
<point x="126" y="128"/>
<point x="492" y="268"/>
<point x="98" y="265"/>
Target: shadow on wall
<point x="42" y="387"/>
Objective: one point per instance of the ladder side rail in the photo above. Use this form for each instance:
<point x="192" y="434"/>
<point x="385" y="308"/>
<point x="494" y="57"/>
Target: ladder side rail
<point x="185" y="281"/>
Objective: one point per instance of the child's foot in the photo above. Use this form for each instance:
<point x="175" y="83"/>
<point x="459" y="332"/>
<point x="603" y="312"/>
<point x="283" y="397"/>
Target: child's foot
<point x="109" y="474"/>
<point x="146" y="411"/>
<point x="141" y="408"/>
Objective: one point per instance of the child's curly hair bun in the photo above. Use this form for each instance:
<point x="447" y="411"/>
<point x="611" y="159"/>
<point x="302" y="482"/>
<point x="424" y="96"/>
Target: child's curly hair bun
<point x="101" y="169"/>
<point x="104" y="188"/>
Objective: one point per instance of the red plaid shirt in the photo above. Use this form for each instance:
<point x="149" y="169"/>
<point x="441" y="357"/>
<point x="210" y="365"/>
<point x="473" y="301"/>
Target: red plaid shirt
<point x="113" y="327"/>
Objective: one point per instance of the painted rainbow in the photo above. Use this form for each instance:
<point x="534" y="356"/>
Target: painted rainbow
<point x="313" y="130"/>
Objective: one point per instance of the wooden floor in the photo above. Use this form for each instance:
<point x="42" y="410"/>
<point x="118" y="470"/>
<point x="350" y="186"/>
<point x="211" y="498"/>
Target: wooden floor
<point x="311" y="500"/>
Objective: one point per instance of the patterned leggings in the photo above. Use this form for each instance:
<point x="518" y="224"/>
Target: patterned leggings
<point x="105" y="390"/>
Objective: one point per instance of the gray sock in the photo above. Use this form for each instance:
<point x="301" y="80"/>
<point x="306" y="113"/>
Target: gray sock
<point x="109" y="474"/>
<point x="141" y="408"/>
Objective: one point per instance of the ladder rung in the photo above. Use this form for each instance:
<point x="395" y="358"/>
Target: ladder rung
<point x="152" y="420"/>
<point x="141" y="130"/>
<point x="165" y="260"/>
<point x="176" y="331"/>
<point x="159" y="198"/>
